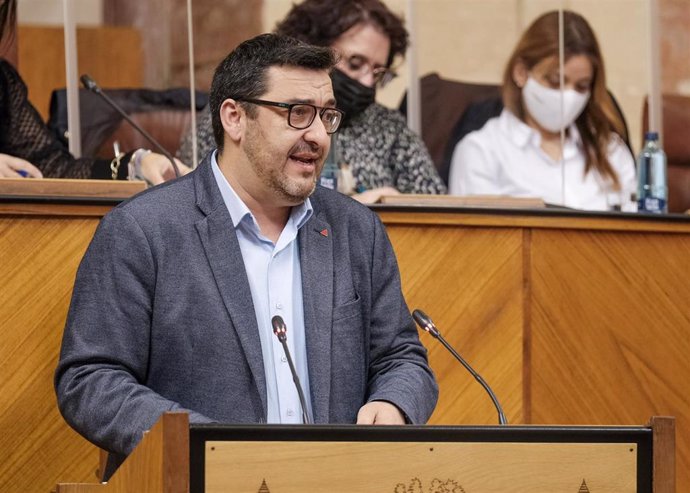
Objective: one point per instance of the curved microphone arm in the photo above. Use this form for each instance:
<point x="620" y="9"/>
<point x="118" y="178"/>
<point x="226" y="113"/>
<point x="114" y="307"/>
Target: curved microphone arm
<point x="425" y="323"/>
<point x="91" y="85"/>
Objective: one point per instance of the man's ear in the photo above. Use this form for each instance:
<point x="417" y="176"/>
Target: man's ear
<point x="232" y="116"/>
<point x="520" y="74"/>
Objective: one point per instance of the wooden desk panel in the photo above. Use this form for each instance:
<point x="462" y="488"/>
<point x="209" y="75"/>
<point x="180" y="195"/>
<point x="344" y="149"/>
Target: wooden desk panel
<point x="610" y="330"/>
<point x="40" y="255"/>
<point x="450" y="273"/>
<point x="555" y="312"/>
<point x="604" y="329"/>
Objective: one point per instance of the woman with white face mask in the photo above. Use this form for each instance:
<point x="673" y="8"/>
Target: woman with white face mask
<point x="520" y="153"/>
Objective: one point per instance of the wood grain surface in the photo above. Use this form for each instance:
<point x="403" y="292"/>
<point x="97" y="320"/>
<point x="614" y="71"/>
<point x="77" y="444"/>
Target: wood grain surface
<point x="574" y="320"/>
<point x="589" y="323"/>
<point x="397" y="467"/>
<point x="112" y="55"/>
<point x="39" y="256"/>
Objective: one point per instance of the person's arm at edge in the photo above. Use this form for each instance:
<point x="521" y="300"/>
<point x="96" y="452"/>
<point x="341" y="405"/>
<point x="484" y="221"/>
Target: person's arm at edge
<point x="205" y="140"/>
<point x="415" y="170"/>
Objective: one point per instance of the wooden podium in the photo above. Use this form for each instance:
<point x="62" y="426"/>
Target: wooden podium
<point x="571" y="317"/>
<point x="176" y="458"/>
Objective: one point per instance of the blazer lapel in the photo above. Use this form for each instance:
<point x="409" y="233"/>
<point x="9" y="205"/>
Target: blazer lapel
<point x="316" y="258"/>
<point x="222" y="249"/>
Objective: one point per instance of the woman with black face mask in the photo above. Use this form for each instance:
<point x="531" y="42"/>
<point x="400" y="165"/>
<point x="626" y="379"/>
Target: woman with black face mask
<point x="376" y="151"/>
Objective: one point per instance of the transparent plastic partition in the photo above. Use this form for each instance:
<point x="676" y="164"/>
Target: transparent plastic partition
<point x="135" y="52"/>
<point x="144" y="45"/>
<point x="471" y="42"/>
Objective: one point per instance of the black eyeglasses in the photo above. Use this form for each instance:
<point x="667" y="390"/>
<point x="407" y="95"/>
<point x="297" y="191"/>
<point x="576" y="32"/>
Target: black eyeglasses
<point x="302" y="115"/>
<point x="359" y="64"/>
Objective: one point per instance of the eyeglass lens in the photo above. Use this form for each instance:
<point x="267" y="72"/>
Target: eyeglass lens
<point x="356" y="63"/>
<point x="302" y="115"/>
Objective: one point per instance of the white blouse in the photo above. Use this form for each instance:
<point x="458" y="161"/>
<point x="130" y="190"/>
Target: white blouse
<point x="504" y="158"/>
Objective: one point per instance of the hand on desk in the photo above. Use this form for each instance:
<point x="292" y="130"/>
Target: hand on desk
<point x="379" y="413"/>
<point x="14" y="167"/>
<point x="156" y="168"/>
<point x="374" y="195"/>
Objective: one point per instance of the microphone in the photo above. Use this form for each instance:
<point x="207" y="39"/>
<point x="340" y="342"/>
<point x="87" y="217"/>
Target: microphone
<point x="280" y="330"/>
<point x="91" y="85"/>
<point x="425" y="323"/>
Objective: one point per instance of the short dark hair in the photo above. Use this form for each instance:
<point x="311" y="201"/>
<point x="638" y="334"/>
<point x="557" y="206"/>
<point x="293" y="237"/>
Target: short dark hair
<point x="242" y="74"/>
<point x="321" y="22"/>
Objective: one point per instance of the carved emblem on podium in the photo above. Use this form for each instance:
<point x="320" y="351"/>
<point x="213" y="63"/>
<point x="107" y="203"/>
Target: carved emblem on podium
<point x="264" y="487"/>
<point x="437" y="486"/>
<point x="448" y="486"/>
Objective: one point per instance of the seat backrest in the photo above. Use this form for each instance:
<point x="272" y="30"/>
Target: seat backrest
<point x="473" y="118"/>
<point x="167" y="126"/>
<point x="676" y="124"/>
<point x="443" y="102"/>
<point x="164" y="114"/>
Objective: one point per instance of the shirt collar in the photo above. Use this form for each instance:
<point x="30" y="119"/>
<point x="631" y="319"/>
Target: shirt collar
<point x="523" y="135"/>
<point x="238" y="210"/>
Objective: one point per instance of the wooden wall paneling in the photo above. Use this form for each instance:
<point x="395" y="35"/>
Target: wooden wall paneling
<point x="39" y="256"/>
<point x="8" y="47"/>
<point x="469" y="281"/>
<point x="610" y="329"/>
<point x="111" y="55"/>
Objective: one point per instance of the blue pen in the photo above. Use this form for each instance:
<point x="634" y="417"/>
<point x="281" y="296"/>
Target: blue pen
<point x="23" y="173"/>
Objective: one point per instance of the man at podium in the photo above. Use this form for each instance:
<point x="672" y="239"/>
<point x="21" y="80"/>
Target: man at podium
<point x="175" y="297"/>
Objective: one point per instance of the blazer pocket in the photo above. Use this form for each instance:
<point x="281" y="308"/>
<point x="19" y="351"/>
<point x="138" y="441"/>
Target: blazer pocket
<point x="349" y="309"/>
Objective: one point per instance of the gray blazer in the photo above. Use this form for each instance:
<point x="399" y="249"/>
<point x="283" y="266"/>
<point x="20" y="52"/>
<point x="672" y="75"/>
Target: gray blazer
<point x="162" y="319"/>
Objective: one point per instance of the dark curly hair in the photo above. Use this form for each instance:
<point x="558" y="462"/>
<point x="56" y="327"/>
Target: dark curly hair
<point x="321" y="22"/>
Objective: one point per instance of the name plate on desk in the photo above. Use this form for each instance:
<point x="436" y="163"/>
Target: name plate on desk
<point x="489" y="201"/>
<point x="401" y="467"/>
<point x="420" y="459"/>
<point x="69" y="189"/>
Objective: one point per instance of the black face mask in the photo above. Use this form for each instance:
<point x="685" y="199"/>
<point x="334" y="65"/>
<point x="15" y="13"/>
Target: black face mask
<point x="351" y="96"/>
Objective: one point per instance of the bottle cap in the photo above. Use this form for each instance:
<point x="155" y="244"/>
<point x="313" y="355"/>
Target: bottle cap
<point x="651" y="136"/>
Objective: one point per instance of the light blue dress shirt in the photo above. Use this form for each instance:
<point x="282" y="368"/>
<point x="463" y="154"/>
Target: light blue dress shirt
<point x="275" y="280"/>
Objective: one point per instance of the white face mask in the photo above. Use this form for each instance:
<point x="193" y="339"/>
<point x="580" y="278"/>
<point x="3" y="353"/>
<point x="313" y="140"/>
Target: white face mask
<point x="544" y="105"/>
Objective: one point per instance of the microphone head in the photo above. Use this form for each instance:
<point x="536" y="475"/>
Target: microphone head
<point x="279" y="327"/>
<point x="89" y="83"/>
<point x="424" y="322"/>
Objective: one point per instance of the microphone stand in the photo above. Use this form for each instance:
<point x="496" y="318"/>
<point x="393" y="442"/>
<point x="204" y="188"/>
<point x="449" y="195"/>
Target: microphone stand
<point x="280" y="330"/>
<point x="91" y="85"/>
<point x="426" y="324"/>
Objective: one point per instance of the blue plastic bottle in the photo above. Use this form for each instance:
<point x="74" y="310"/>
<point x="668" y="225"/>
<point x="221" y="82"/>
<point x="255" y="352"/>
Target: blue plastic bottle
<point x="652" y="189"/>
<point x="329" y="173"/>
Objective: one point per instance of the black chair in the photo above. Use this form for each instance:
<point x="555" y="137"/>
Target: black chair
<point x="163" y="113"/>
<point x="443" y="102"/>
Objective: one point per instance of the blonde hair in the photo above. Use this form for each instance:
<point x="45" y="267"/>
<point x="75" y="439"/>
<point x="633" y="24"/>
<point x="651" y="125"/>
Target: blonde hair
<point x="600" y="118"/>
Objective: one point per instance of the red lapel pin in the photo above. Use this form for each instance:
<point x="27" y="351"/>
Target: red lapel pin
<point x="324" y="232"/>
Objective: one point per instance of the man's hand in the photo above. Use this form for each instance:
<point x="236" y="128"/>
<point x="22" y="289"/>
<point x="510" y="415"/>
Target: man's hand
<point x="156" y="168"/>
<point x="12" y="167"/>
<point x="379" y="413"/>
